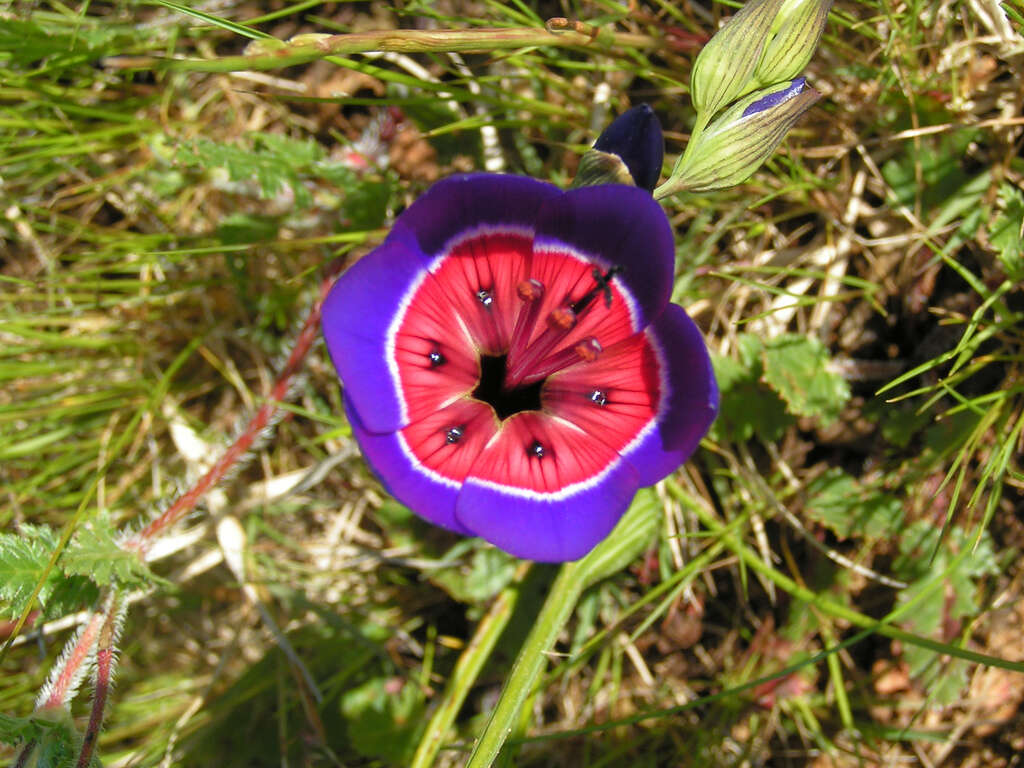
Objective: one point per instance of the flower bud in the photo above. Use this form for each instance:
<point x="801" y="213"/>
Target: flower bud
<point x="724" y="69"/>
<point x="629" y="151"/>
<point x="737" y="142"/>
<point x="794" y="36"/>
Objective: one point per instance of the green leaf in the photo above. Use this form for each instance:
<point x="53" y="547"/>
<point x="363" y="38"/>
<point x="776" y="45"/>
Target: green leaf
<point x="95" y="553"/>
<point x="273" y="162"/>
<point x="23" y="560"/>
<point x="17" y="730"/>
<point x="243" y="228"/>
<point x="945" y="608"/>
<point x="932" y="172"/>
<point x="383" y="722"/>
<point x="748" y="407"/>
<point x="1007" y="233"/>
<point x="630" y="537"/>
<point x="797" y="368"/>
<point x="847" y="508"/>
<point x="366" y="204"/>
<point x="488" y="571"/>
<point x="57" y="743"/>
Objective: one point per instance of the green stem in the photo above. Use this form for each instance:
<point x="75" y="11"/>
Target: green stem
<point x="561" y="601"/>
<point x="672" y="185"/>
<point x="468" y="669"/>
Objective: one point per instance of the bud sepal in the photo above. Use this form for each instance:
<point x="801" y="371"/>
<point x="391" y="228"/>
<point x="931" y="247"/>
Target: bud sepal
<point x="738" y="141"/>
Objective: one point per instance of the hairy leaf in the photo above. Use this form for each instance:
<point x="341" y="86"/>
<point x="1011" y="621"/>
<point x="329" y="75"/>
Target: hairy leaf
<point x="940" y="614"/>
<point x="96" y="554"/>
<point x="748" y="407"/>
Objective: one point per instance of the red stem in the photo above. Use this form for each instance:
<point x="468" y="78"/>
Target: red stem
<point x="187" y="502"/>
<point x="104" y="667"/>
<point x="75" y="659"/>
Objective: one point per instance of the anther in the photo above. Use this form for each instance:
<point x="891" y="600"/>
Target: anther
<point x="485" y="297"/>
<point x="436" y="358"/>
<point x="583" y="351"/>
<point x="453" y="435"/>
<point x="563" y="318"/>
<point x="598" y="397"/>
<point x="530" y="290"/>
<point x="536" y="450"/>
<point x="588" y="349"/>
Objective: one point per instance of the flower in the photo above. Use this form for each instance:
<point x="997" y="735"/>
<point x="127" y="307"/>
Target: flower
<point x="512" y="366"/>
<point x="740" y="139"/>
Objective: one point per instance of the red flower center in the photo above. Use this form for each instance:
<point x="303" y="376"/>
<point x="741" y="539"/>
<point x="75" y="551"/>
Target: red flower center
<point x="502" y="321"/>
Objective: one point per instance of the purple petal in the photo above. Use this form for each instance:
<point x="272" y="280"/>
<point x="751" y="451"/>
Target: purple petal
<point x="356" y="316"/>
<point x="616" y="226"/>
<point x="690" y="402"/>
<point x="428" y="494"/>
<point x="467" y="202"/>
<point x="545" y="490"/>
<point x="774" y="99"/>
<point x="549" y="529"/>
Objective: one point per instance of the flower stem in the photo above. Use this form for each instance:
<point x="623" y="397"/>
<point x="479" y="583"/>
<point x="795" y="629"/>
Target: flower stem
<point x="64" y="680"/>
<point x="560" y="603"/>
<point x="630" y="537"/>
<point x="672" y="185"/>
<point x="468" y="668"/>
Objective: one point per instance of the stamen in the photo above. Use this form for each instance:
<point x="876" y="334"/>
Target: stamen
<point x="536" y="450"/>
<point x="530" y="292"/>
<point x="454" y="434"/>
<point x="560" y="322"/>
<point x="584" y="351"/>
<point x="525" y="364"/>
<point x="436" y="358"/>
<point x="485" y="297"/>
<point x="598" y="397"/>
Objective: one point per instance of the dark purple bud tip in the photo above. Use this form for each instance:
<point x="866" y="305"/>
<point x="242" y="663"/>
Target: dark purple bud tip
<point x="635" y="136"/>
<point x="774" y="99"/>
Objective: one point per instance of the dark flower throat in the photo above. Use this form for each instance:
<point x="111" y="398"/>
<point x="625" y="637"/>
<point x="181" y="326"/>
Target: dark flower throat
<point x="505" y="402"/>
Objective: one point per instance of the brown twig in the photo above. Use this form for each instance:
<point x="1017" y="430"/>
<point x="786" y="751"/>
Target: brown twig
<point x="25" y="754"/>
